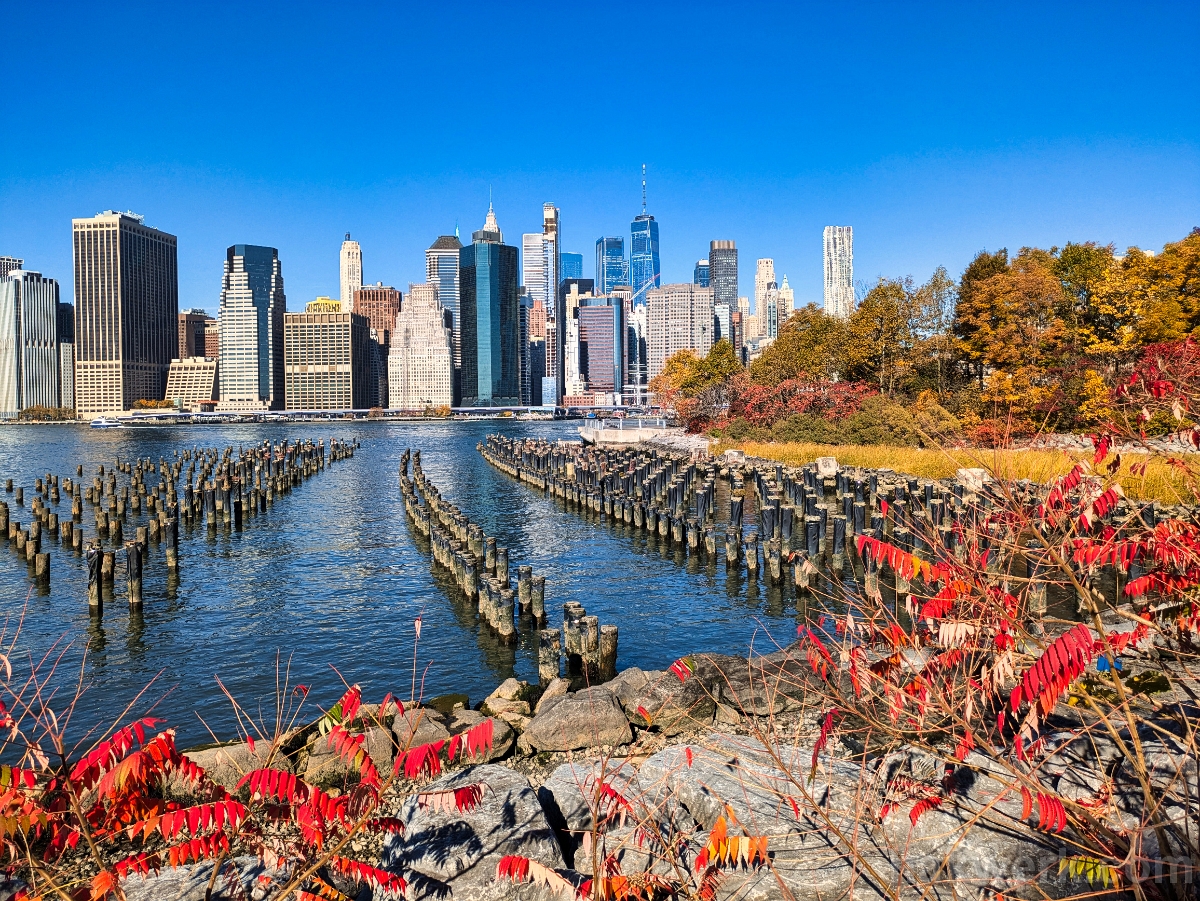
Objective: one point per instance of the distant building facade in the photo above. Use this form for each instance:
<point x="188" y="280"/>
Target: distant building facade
<point x="570" y="265"/>
<point x="421" y="361"/>
<point x="192" y="325"/>
<point x="380" y="303"/>
<point x="192" y="383"/>
<point x="212" y="339"/>
<point x="700" y="275"/>
<point x="488" y="271"/>
<point x="764" y="277"/>
<point x="839" y="271"/>
<point x="66" y="355"/>
<point x="645" y="270"/>
<point x="30" y="372"/>
<point x="602" y="352"/>
<point x="253" y="307"/>
<point x="680" y="317"/>
<point x="612" y="268"/>
<point x="9" y="264"/>
<point x="327" y="361"/>
<point x="441" y="271"/>
<point x="723" y="272"/>
<point x="126" y="311"/>
<point x="350" y="269"/>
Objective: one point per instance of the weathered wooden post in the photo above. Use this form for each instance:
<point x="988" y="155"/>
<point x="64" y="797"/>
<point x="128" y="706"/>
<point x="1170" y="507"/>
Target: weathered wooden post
<point x="172" y="535"/>
<point x="538" y="598"/>
<point x="41" y="568"/>
<point x="608" y="652"/>
<point x="549" y="655"/>
<point x="752" y="553"/>
<point x="525" y="588"/>
<point x="133" y="571"/>
<point x="107" y="566"/>
<point x="502" y="565"/>
<point x="93" y="565"/>
<point x="489" y="555"/>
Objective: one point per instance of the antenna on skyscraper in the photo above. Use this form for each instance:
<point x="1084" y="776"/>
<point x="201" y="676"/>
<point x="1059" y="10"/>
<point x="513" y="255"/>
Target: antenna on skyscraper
<point x="643" y="189"/>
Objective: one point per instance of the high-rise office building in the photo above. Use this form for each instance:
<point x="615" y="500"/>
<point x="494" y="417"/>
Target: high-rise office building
<point x="680" y="317"/>
<point x="192" y="383"/>
<point x="488" y="301"/>
<point x="126" y="311"/>
<point x="602" y="352"/>
<point x="441" y="271"/>
<point x="839" y="271"/>
<point x="722" y="322"/>
<point x="612" y="268"/>
<point x="380" y="304"/>
<point x="534" y="274"/>
<point x="253" y="307"/>
<point x="770" y="311"/>
<point x="555" y="336"/>
<point x="351" y="272"/>
<point x="723" y="272"/>
<point x="421" y="358"/>
<point x="700" y="275"/>
<point x="537" y="370"/>
<point x="645" y="272"/>
<point x="570" y="294"/>
<point x="212" y="339"/>
<point x="787" y="302"/>
<point x="30" y="373"/>
<point x="764" y="277"/>
<point x="192" y="325"/>
<point x="537" y="319"/>
<point x="637" y="356"/>
<point x="570" y="265"/>
<point x="525" y="310"/>
<point x="10" y="264"/>
<point x="327" y="361"/>
<point x="66" y="355"/>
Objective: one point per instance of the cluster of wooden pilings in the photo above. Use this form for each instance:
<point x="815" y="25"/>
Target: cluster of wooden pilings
<point x="481" y="571"/>
<point x="800" y="524"/>
<point x="218" y="489"/>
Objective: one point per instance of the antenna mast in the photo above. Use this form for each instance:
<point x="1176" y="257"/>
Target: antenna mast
<point x="643" y="189"/>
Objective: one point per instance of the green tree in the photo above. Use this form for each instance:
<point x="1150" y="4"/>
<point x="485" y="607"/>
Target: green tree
<point x="809" y="343"/>
<point x="883" y="334"/>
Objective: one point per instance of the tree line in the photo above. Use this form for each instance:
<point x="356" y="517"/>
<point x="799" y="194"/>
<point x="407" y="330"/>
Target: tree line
<point x="1018" y="344"/>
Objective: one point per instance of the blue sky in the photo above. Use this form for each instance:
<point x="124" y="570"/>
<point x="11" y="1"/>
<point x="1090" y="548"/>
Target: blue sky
<point x="934" y="129"/>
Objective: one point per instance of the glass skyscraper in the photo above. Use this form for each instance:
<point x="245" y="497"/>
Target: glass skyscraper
<point x="700" y="274"/>
<point x="644" y="269"/>
<point x="252" y="326"/>
<point x="570" y="265"/>
<point x="611" y="266"/>
<point x="490" y="310"/>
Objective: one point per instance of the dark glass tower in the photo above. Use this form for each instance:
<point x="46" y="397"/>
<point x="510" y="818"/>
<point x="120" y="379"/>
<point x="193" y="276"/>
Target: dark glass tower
<point x="489" y="307"/>
<point x="644" y="270"/>
<point x="723" y="272"/>
<point x="611" y="266"/>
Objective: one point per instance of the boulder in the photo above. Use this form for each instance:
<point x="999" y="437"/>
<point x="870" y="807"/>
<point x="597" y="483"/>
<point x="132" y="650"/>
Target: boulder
<point x="327" y="769"/>
<point x="246" y="878"/>
<point x="556" y="689"/>
<point x="455" y="855"/>
<point x="586" y="719"/>
<point x="503" y="736"/>
<point x="510" y="696"/>
<point x="658" y="700"/>
<point x="226" y="764"/>
<point x="419" y="726"/>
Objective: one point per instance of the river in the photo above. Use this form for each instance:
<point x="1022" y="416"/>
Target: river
<point x="329" y="582"/>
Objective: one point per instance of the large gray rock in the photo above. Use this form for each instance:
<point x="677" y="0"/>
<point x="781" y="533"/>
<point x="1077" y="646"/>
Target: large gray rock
<point x="226" y="764"/>
<point x="585" y="719"/>
<point x="455" y="855"/>
<point x="327" y="769"/>
<point x="503" y="736"/>
<point x="945" y="855"/>
<point x="239" y="880"/>
<point x="658" y="700"/>
<point x="419" y="726"/>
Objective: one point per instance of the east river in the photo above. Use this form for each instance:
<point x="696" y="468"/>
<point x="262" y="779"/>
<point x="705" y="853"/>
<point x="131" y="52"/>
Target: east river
<point x="328" y="583"/>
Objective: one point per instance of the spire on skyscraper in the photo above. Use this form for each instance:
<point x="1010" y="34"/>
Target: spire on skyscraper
<point x="643" y="190"/>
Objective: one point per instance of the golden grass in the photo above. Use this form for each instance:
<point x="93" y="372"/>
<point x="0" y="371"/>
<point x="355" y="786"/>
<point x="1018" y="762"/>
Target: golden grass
<point x="1161" y="482"/>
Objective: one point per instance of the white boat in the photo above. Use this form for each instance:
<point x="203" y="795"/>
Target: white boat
<point x="104" y="422"/>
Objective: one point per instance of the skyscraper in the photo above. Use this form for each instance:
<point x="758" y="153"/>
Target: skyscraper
<point x="612" y="268"/>
<point x="441" y="271"/>
<point x="379" y="303"/>
<point x="570" y="265"/>
<point x="420" y="362"/>
<point x="9" y="264"/>
<point x="488" y="298"/>
<point x="839" y="271"/>
<point x="534" y="275"/>
<point x="192" y="324"/>
<point x="327" y="358"/>
<point x="787" y="302"/>
<point x="351" y="272"/>
<point x="556" y="326"/>
<point x="680" y="318"/>
<point x="700" y="275"/>
<point x="253" y="306"/>
<point x="126" y="311"/>
<point x="723" y="272"/>
<point x="29" y="364"/>
<point x="602" y="352"/>
<point x="764" y="277"/>
<point x="645" y="272"/>
<point x="66" y="355"/>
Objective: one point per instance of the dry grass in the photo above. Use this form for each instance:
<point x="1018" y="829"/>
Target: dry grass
<point x="1161" y="482"/>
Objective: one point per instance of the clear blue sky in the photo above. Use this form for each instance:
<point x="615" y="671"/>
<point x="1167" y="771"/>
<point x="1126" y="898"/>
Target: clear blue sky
<point x="934" y="129"/>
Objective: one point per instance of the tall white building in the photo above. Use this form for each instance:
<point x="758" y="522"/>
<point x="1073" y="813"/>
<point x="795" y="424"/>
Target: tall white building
<point x="351" y="271"/>
<point x="420" y="361"/>
<point x="679" y="317"/>
<point x="764" y="277"/>
<point x="252" y="330"/>
<point x="839" y="271"/>
<point x="66" y="375"/>
<point x="29" y="365"/>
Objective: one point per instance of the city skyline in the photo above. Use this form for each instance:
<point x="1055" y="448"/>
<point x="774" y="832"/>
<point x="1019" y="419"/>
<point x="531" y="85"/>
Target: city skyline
<point x="926" y="173"/>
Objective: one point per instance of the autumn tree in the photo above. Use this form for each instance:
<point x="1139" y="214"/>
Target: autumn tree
<point x="698" y="387"/>
<point x="882" y="335"/>
<point x="971" y="312"/>
<point x="809" y="344"/>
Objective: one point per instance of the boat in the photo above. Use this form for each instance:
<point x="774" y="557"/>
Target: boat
<point x="104" y="422"/>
